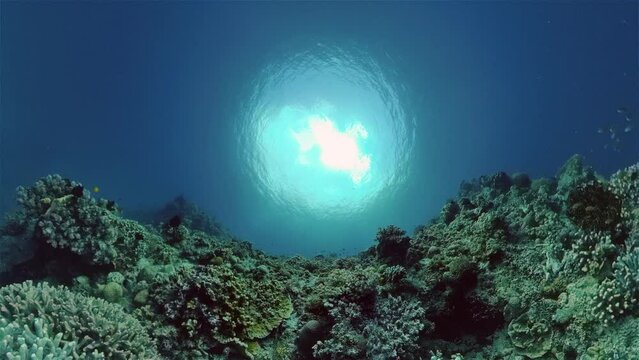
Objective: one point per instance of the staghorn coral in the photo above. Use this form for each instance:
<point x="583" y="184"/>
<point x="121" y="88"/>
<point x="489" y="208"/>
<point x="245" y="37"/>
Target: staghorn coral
<point x="390" y="331"/>
<point x="35" y="341"/>
<point x="94" y="325"/>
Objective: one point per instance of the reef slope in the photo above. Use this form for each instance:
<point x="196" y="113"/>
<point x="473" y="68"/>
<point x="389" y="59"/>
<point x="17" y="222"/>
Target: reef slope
<point x="513" y="268"/>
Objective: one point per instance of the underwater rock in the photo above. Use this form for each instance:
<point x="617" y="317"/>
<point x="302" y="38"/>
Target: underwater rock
<point x="16" y="249"/>
<point x="309" y="335"/>
<point x="465" y="314"/>
<point x="175" y="221"/>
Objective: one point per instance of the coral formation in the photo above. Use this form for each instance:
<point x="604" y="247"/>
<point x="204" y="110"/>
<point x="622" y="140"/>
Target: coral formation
<point x="92" y="325"/>
<point x="219" y="305"/>
<point x="512" y="268"/>
<point x="35" y="341"/>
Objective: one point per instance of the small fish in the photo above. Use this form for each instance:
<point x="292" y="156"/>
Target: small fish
<point x="622" y="110"/>
<point x="627" y="129"/>
<point x="600" y="131"/>
<point x="96" y="189"/>
<point x="628" y="118"/>
<point x="613" y="135"/>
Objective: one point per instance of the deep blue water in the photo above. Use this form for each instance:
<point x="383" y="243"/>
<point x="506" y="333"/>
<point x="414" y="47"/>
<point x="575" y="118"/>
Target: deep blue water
<point x="149" y="100"/>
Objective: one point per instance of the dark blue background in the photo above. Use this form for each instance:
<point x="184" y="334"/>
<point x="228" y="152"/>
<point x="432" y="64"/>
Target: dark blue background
<point x="141" y="98"/>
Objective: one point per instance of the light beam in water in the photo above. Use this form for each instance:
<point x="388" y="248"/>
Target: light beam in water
<point x="324" y="132"/>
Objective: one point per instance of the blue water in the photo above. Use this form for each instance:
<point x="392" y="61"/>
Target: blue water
<point x="152" y="100"/>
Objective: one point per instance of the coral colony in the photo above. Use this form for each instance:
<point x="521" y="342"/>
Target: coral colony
<point x="513" y="268"/>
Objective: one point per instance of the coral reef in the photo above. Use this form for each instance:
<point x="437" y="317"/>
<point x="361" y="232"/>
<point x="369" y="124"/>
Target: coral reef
<point x="34" y="341"/>
<point x="512" y="268"/>
<point x="217" y="304"/>
<point x="92" y="326"/>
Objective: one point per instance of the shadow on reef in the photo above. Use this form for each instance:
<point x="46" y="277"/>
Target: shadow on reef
<point x="513" y="268"/>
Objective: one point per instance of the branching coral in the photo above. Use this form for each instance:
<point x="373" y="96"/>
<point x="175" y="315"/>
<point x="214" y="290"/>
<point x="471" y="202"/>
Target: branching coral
<point x="617" y="296"/>
<point x="36" y="199"/>
<point x="592" y="252"/>
<point x="390" y="332"/>
<point x="94" y="325"/>
<point x="36" y="341"/>
<point x="346" y="341"/>
<point x="625" y="184"/>
<point x="394" y="332"/>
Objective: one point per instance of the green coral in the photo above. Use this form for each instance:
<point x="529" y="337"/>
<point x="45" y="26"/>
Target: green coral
<point x="68" y="217"/>
<point x="112" y="292"/>
<point x="36" y="341"/>
<point x="592" y="252"/>
<point x="531" y="335"/>
<point x="395" y="330"/>
<point x="620" y="342"/>
<point x="346" y="341"/>
<point x="216" y="302"/>
<point x="617" y="295"/>
<point x="511" y="269"/>
<point x="353" y="284"/>
<point x="94" y="325"/>
<point x="572" y="174"/>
